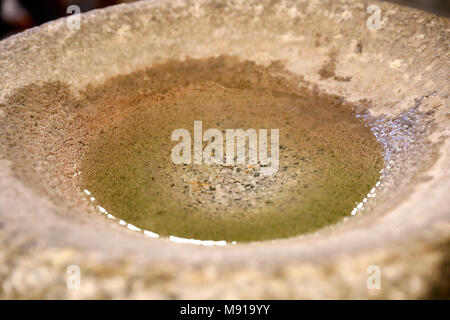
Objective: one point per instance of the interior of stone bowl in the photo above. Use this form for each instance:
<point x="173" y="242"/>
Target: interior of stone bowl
<point x="61" y="88"/>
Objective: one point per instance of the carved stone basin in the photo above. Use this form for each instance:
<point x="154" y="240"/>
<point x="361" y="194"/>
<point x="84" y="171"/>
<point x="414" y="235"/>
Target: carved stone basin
<point x="62" y="88"/>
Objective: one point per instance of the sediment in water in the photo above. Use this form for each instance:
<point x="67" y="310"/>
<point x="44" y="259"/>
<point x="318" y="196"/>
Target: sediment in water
<point x="329" y="160"/>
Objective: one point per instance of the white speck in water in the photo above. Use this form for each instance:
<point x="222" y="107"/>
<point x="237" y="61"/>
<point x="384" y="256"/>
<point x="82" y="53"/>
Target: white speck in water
<point x="178" y="239"/>
<point x="207" y="243"/>
<point x="151" y="234"/>
<point x="102" y="210"/>
<point x="133" y="227"/>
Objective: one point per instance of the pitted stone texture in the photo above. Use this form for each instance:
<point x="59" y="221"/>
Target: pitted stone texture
<point x="405" y="64"/>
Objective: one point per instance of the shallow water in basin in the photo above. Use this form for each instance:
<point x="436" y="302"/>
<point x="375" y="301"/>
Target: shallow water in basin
<point x="328" y="159"/>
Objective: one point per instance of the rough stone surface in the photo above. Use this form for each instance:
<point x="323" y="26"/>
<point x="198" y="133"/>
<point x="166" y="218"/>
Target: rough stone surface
<point x="403" y="65"/>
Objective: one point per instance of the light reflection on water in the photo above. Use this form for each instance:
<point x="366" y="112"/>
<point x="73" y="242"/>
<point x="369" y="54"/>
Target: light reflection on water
<point x="401" y="137"/>
<point x="403" y="141"/>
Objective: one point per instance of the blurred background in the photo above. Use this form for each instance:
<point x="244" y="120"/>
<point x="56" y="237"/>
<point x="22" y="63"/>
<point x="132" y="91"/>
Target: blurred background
<point x="18" y="15"/>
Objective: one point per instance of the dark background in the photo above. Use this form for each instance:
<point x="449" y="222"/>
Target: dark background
<point x="18" y="15"/>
